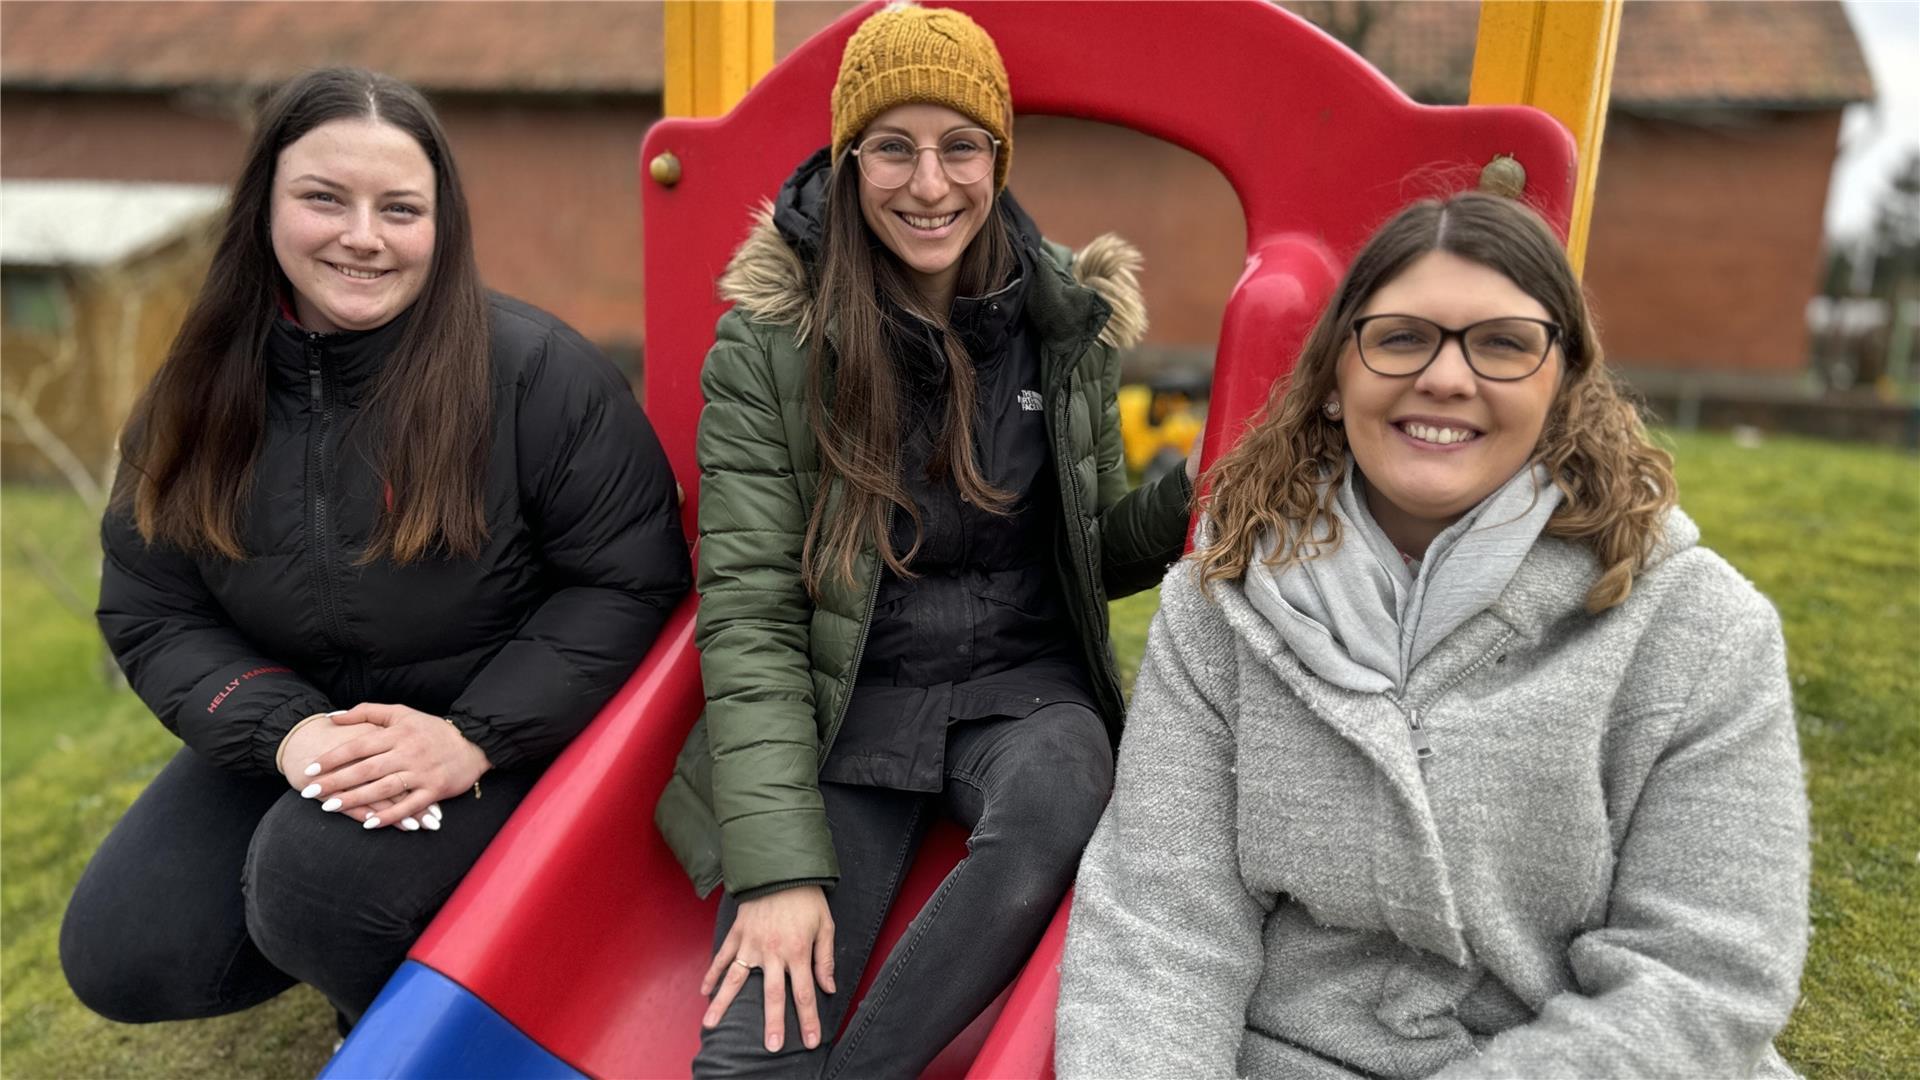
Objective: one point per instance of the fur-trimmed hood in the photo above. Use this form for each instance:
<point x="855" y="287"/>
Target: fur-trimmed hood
<point x="767" y="278"/>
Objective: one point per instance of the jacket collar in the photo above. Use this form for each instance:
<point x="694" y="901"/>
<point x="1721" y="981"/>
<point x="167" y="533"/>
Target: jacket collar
<point x="1550" y="586"/>
<point x="350" y="360"/>
<point x="1552" y="583"/>
<point x="985" y="323"/>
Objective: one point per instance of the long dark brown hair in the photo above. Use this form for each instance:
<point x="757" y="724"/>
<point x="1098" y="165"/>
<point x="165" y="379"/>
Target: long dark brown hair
<point x="853" y="402"/>
<point x="1617" y="485"/>
<point x="193" y="438"/>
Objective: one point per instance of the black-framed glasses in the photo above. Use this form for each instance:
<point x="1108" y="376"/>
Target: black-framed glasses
<point x="1499" y="349"/>
<point x="887" y="160"/>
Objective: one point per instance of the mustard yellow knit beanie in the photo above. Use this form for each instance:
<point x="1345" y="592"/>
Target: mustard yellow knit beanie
<point x="904" y="54"/>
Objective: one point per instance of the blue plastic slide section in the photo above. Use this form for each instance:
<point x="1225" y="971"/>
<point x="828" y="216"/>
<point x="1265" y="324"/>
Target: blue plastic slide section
<point x="426" y="1025"/>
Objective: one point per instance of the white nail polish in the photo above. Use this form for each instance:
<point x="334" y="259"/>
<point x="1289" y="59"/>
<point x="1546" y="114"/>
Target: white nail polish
<point x="409" y="824"/>
<point x="331" y="804"/>
<point x="434" y="809"/>
<point x="339" y="712"/>
<point x="432" y="823"/>
<point x="313" y="769"/>
<point x="371" y="823"/>
<point x="310" y="791"/>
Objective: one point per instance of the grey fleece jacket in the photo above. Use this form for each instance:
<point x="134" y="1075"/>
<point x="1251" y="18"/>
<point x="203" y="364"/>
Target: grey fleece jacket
<point x="1600" y="871"/>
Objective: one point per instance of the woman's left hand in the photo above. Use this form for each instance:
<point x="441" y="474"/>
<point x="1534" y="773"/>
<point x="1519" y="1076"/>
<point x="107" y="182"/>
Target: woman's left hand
<point x="414" y="760"/>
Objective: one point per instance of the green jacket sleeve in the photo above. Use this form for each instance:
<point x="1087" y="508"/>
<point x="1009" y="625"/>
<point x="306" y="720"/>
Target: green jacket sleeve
<point x="1142" y="531"/>
<point x="753" y="624"/>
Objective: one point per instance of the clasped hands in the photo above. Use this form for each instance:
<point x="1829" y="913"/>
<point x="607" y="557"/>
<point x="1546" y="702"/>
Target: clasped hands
<point x="382" y="765"/>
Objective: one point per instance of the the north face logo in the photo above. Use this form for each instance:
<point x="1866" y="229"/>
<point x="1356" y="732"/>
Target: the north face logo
<point x="1030" y="400"/>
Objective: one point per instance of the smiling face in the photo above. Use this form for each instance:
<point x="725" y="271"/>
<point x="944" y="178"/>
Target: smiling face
<point x="927" y="222"/>
<point x="1434" y="445"/>
<point x="352" y="222"/>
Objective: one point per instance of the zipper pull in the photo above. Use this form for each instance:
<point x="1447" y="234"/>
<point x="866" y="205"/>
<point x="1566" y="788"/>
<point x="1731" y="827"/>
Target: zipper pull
<point x="314" y="385"/>
<point x="1422" y="746"/>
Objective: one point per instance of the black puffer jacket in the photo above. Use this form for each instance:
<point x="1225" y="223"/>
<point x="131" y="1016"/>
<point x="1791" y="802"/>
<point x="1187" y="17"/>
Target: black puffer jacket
<point x="518" y="647"/>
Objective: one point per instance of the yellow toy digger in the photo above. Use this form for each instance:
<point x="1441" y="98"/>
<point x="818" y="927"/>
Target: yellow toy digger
<point x="1161" y="419"/>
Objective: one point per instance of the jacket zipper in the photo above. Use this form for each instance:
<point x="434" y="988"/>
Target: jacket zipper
<point x="332" y="625"/>
<point x="1085" y="551"/>
<point x="1422" y="746"/>
<point x="1416" y="733"/>
<point x="860" y="647"/>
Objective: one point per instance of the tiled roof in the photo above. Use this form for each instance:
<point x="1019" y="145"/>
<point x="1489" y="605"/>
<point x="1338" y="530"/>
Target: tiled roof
<point x="1672" y="52"/>
<point x="1739" y="52"/>
<point x="438" y="46"/>
<point x="512" y="47"/>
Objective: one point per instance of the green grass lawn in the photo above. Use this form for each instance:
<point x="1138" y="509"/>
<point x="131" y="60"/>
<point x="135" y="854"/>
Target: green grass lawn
<point x="73" y="754"/>
<point x="1831" y="533"/>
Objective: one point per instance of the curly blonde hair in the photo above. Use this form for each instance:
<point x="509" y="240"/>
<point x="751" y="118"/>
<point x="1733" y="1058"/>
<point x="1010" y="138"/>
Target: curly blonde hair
<point x="1617" y="485"/>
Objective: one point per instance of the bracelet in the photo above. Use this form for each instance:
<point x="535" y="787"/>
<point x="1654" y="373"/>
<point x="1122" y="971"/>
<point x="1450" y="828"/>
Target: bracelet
<point x="280" y="752"/>
<point x="456" y="727"/>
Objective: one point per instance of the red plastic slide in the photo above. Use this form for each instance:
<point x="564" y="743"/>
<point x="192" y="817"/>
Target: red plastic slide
<point x="577" y="926"/>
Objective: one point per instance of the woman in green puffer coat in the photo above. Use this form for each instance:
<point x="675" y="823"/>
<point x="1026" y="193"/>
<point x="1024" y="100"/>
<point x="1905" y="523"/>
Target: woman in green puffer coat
<point x="913" y="513"/>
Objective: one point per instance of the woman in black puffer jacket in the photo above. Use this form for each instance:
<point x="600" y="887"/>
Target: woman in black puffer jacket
<point x="378" y="533"/>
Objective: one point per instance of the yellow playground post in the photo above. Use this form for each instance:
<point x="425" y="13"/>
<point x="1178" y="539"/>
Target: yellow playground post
<point x="716" y="51"/>
<point x="1556" y="55"/>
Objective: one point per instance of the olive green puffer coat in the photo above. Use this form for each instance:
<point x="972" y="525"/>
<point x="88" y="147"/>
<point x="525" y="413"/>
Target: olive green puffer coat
<point x="744" y="804"/>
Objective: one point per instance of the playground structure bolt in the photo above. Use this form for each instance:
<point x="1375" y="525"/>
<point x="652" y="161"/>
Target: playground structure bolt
<point x="1503" y="176"/>
<point x="665" y="170"/>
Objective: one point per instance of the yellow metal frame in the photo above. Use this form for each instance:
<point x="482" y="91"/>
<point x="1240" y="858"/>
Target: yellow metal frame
<point x="716" y="51"/>
<point x="1556" y="55"/>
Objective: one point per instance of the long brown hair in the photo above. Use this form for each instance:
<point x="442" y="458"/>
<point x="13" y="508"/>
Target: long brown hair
<point x="191" y="443"/>
<point x="1617" y="485"/>
<point x="853" y="399"/>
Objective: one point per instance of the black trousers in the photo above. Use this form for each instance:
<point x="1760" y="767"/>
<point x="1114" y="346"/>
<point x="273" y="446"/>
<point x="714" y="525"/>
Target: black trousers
<point x="1031" y="791"/>
<point x="217" y="891"/>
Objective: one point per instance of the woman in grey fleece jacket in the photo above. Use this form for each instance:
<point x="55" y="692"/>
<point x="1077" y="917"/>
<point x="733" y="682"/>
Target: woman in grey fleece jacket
<point x="1453" y="752"/>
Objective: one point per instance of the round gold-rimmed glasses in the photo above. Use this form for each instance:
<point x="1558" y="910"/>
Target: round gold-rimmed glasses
<point x="888" y="159"/>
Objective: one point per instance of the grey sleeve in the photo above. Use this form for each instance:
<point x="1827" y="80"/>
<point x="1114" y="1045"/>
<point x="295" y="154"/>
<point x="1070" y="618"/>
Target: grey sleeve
<point x="1698" y="964"/>
<point x="1163" y="946"/>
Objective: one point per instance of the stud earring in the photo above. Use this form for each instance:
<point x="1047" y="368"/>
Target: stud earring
<point x="1331" y="408"/>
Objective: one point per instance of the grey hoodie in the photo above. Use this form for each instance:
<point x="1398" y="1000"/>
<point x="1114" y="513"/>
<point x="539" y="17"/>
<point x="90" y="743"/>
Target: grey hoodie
<point x="1600" y="871"/>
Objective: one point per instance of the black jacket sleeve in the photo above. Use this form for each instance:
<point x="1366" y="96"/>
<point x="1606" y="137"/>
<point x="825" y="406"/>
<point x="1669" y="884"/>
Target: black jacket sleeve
<point x="205" y="681"/>
<point x="596" y="487"/>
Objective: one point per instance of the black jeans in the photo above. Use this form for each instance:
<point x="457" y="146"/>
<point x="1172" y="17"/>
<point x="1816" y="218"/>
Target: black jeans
<point x="1031" y="791"/>
<point x="217" y="891"/>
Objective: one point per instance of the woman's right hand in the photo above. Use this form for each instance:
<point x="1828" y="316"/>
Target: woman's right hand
<point x="788" y="935"/>
<point x="310" y="741"/>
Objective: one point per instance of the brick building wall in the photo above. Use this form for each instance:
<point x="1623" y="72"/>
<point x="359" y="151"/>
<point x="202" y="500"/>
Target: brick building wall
<point x="554" y="191"/>
<point x="1707" y="238"/>
<point x="551" y="182"/>
<point x="1079" y="179"/>
<point x="1706" y="231"/>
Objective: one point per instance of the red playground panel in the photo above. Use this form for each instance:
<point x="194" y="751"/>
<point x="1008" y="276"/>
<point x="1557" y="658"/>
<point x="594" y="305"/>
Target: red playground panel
<point x="577" y="926"/>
